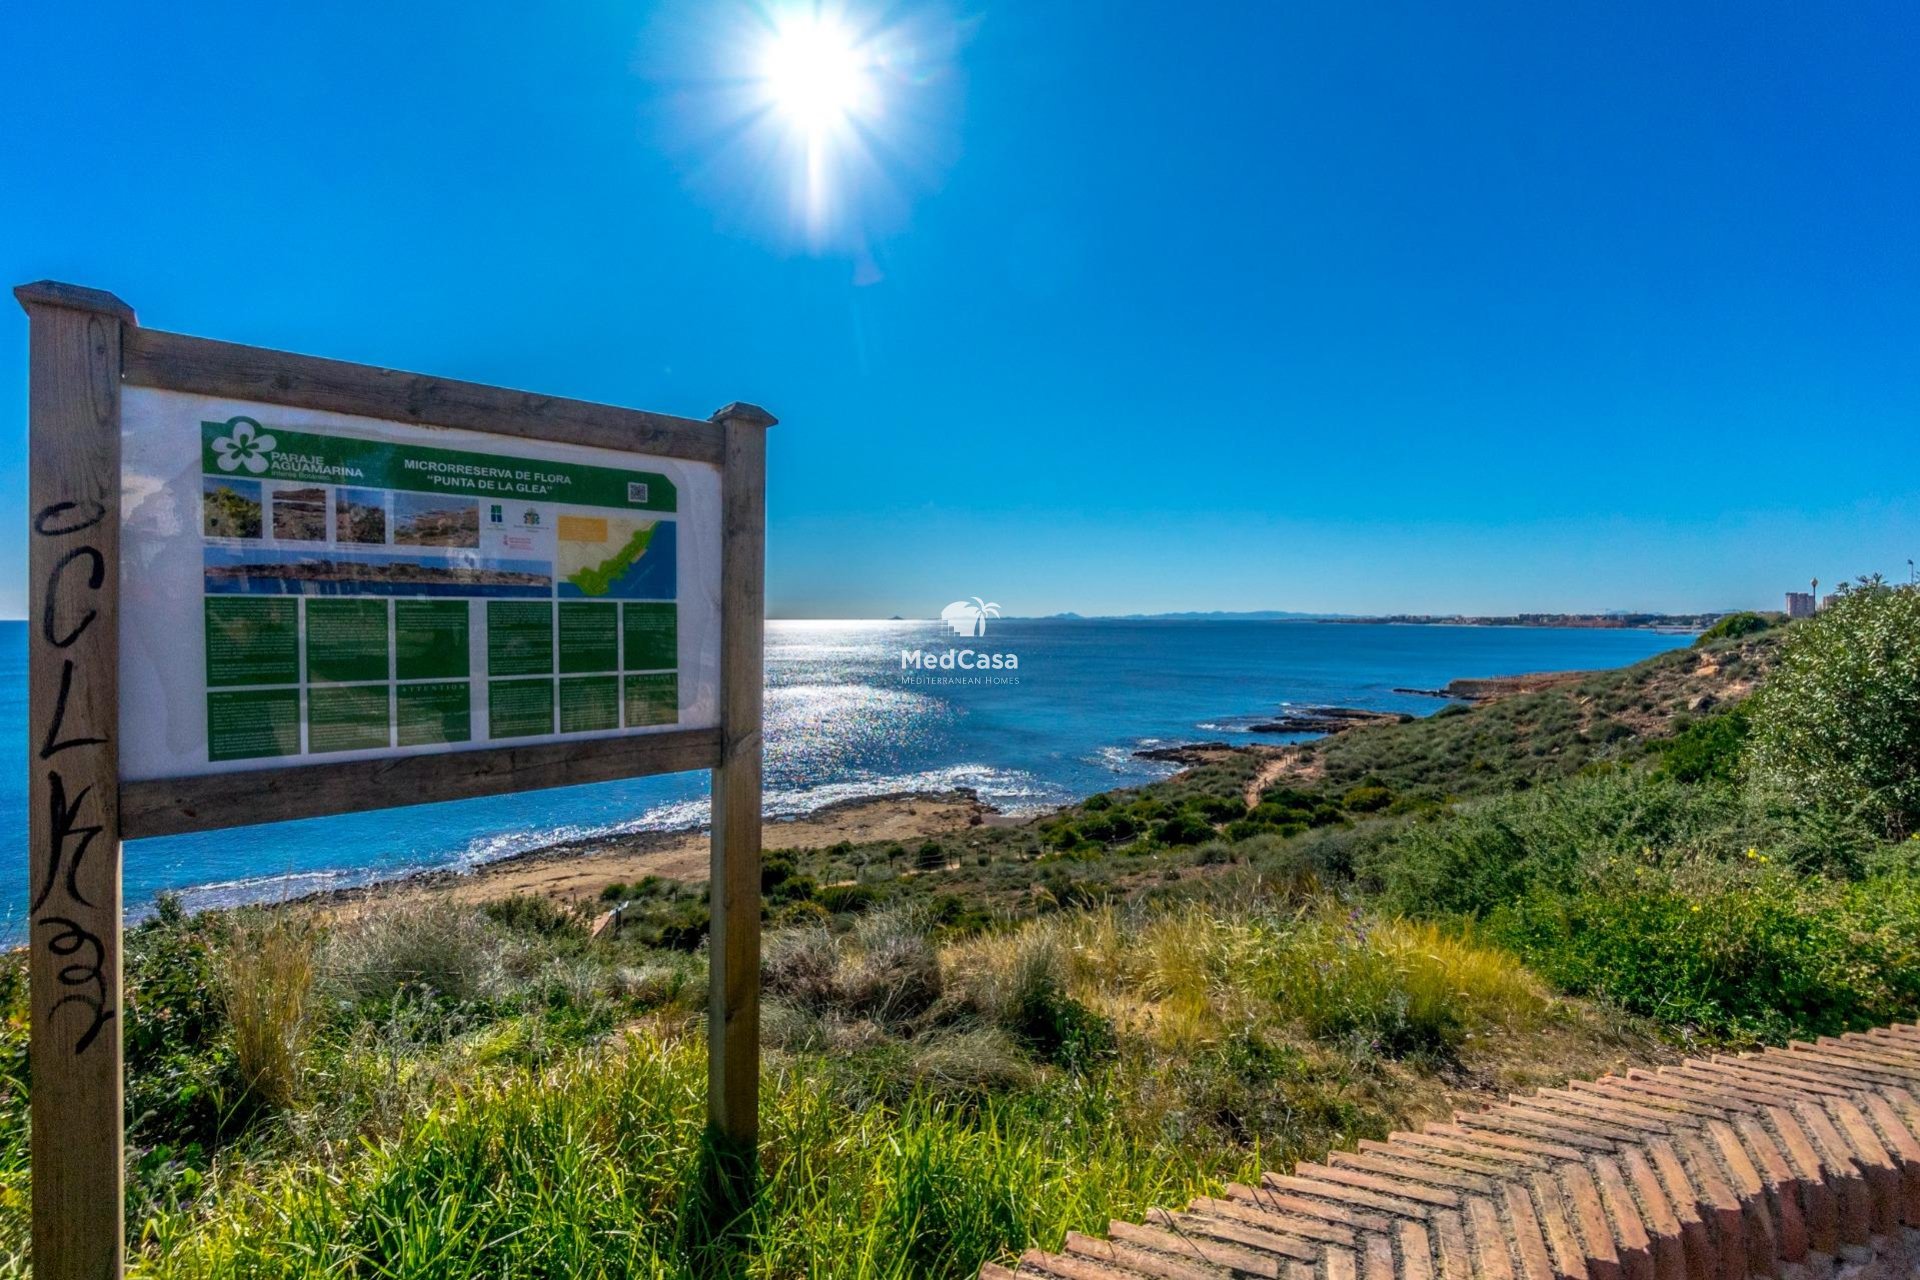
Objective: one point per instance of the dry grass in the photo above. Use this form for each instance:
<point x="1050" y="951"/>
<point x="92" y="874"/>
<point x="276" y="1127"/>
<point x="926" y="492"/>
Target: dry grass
<point x="266" y="986"/>
<point x="1188" y="977"/>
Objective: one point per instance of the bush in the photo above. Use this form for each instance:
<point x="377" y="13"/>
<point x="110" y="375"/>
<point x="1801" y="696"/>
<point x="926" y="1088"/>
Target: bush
<point x="1183" y="829"/>
<point x="1734" y="626"/>
<point x="433" y="945"/>
<point x="529" y="913"/>
<point x="1710" y="749"/>
<point x="1487" y="854"/>
<point x="1838" y="722"/>
<point x="182" y="1078"/>
<point x="1214" y="809"/>
<point x="896" y="976"/>
<point x="846" y="899"/>
<point x="802" y="966"/>
<point x="1367" y="798"/>
<point x="887" y="969"/>
<point x="1759" y="954"/>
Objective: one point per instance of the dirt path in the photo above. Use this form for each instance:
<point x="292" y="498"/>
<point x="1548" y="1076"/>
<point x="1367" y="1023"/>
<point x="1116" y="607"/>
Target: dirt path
<point x="1286" y="762"/>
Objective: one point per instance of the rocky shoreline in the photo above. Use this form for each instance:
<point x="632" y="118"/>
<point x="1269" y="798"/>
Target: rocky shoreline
<point x="1478" y="689"/>
<point x="578" y="869"/>
<point x="1326" y="720"/>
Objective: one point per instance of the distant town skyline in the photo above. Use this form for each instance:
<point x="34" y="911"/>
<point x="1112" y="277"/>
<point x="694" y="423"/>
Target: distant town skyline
<point x="1506" y="309"/>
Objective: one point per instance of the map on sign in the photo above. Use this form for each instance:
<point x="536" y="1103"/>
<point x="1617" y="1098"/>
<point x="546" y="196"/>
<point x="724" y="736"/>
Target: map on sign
<point x="374" y="591"/>
<point x="614" y="556"/>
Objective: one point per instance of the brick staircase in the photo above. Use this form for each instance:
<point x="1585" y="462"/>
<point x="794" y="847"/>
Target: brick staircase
<point x="1793" y="1162"/>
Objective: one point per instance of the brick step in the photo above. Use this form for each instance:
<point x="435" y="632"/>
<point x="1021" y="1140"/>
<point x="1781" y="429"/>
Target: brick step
<point x="1760" y="1164"/>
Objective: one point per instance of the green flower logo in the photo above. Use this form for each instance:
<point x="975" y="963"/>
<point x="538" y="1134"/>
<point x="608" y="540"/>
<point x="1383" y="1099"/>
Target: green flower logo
<point x="247" y="446"/>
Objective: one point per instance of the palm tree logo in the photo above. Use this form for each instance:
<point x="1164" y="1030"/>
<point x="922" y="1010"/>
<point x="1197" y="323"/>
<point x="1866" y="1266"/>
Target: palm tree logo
<point x="969" y="617"/>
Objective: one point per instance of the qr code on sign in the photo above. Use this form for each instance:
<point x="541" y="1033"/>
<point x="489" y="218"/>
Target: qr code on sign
<point x="636" y="491"/>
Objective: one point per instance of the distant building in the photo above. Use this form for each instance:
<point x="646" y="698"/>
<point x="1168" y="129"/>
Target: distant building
<point x="1799" y="604"/>
<point x="1830" y="599"/>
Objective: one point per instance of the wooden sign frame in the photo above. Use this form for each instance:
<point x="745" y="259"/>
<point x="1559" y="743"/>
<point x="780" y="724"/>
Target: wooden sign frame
<point x="85" y="346"/>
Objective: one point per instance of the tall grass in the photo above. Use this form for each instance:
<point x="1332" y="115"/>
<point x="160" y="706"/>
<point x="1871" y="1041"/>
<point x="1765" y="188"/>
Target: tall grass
<point x="266" y="987"/>
<point x="1189" y="976"/>
<point x="585" y="1170"/>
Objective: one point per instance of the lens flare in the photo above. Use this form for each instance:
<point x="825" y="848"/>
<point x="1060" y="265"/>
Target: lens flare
<point x="816" y="74"/>
<point x="819" y="120"/>
<point x="820" y="80"/>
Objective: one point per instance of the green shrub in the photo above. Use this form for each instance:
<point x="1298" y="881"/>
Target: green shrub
<point x="184" y="1089"/>
<point x="1710" y="749"/>
<point x="776" y="865"/>
<point x="530" y="913"/>
<point x="1837" y="724"/>
<point x="1098" y="827"/>
<point x="1215" y="809"/>
<point x="1183" y="829"/>
<point x="1367" y="798"/>
<point x="1751" y="954"/>
<point x="847" y="899"/>
<point x="1734" y="626"/>
<point x="1486" y="854"/>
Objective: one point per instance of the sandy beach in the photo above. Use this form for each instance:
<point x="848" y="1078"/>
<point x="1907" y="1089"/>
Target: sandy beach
<point x="577" y="870"/>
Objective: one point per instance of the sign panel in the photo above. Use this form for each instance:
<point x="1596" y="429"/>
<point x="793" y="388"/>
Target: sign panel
<point x="299" y="586"/>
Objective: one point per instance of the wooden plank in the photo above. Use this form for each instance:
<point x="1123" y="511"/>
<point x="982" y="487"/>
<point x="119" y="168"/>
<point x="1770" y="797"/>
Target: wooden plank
<point x="73" y="646"/>
<point x="209" y="802"/>
<point x="733" y="1008"/>
<point x="176" y="362"/>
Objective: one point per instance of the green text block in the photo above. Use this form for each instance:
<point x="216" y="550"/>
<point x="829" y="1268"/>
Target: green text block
<point x="519" y="708"/>
<point x="653" y="699"/>
<point x="430" y="640"/>
<point x="346" y="640"/>
<point x="653" y="636"/>
<point x="252" y="642"/>
<point x="347" y="718"/>
<point x="434" y="713"/>
<point x="589" y="704"/>
<point x="251" y="724"/>
<point x="589" y="638"/>
<point x="519" y="638"/>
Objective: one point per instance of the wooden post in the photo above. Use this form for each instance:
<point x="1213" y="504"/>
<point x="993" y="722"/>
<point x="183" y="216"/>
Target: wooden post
<point x="73" y="675"/>
<point x="733" y="1006"/>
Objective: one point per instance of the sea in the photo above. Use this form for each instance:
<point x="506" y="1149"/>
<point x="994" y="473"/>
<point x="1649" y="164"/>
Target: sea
<point x="845" y="720"/>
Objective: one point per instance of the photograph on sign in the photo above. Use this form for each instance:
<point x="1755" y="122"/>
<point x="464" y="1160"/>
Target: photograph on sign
<point x="299" y="586"/>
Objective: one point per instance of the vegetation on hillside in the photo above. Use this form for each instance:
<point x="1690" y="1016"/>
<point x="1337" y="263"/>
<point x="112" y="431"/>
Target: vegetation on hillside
<point x="985" y="1040"/>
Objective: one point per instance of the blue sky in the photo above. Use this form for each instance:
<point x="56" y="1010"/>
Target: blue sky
<point x="1131" y="307"/>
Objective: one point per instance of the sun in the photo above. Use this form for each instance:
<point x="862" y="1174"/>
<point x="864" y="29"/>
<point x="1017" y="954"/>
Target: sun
<point x="823" y="117"/>
<point x="817" y="74"/>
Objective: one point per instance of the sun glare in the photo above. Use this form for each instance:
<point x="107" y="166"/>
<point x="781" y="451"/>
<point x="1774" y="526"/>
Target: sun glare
<point x="816" y="74"/>
<point x="834" y="114"/>
<point x="819" y="79"/>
